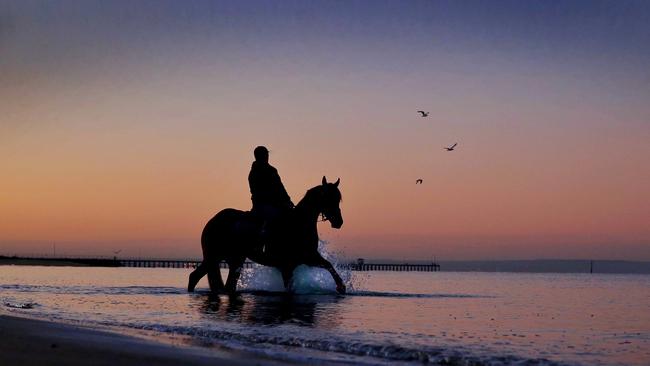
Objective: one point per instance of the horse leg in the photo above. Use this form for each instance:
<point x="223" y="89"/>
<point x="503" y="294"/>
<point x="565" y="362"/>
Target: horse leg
<point x="214" y="277"/>
<point x="235" y="267"/>
<point x="196" y="276"/>
<point x="287" y="274"/>
<point x="324" y="263"/>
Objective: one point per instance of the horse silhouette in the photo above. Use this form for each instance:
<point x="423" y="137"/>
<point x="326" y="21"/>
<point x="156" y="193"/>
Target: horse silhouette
<point x="234" y="235"/>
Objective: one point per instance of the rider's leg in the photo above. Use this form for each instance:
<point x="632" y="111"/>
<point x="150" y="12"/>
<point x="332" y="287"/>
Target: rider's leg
<point x="260" y="221"/>
<point x="269" y="229"/>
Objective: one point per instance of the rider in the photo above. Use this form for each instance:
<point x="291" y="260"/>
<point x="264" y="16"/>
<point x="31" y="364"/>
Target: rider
<point x="270" y="199"/>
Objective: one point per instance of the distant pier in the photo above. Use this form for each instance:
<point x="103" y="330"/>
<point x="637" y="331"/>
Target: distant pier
<point x="356" y="266"/>
<point x="153" y="263"/>
<point x="359" y="265"/>
<point x="432" y="267"/>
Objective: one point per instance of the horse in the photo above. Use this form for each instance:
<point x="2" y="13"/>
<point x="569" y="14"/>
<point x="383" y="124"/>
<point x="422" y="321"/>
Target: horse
<point x="234" y="235"/>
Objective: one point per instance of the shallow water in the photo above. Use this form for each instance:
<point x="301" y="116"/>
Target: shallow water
<point x="388" y="317"/>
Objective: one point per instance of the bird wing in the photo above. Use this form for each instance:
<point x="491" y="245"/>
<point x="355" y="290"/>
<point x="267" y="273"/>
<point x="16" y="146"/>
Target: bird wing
<point x="454" y="145"/>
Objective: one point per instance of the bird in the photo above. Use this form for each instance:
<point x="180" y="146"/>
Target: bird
<point x="423" y="113"/>
<point x="115" y="253"/>
<point x="418" y="181"/>
<point x="451" y="148"/>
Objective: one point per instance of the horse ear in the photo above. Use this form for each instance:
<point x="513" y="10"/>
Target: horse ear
<point x="336" y="184"/>
<point x="324" y="180"/>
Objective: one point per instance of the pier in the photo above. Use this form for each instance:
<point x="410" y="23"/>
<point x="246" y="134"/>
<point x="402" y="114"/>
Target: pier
<point x="153" y="263"/>
<point x="359" y="265"/>
<point x="404" y="267"/>
<point x="432" y="267"/>
<point x="356" y="266"/>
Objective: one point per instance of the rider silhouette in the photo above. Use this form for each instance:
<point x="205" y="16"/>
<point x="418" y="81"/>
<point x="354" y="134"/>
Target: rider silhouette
<point x="270" y="199"/>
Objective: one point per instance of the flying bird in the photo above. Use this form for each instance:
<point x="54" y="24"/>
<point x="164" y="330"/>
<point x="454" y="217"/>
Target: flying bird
<point x="451" y="148"/>
<point x="418" y="181"/>
<point x="423" y="113"/>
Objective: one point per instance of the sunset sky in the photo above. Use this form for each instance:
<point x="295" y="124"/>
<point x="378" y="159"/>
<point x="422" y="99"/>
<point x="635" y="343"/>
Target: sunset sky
<point x="125" y="125"/>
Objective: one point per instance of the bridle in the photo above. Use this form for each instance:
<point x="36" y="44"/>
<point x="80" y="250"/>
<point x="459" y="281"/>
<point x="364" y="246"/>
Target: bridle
<point x="322" y="217"/>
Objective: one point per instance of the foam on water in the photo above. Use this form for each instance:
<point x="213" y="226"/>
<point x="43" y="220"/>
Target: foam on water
<point x="21" y="305"/>
<point x="275" y="343"/>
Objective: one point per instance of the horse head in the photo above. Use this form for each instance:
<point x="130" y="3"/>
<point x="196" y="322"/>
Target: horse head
<point x="330" y="200"/>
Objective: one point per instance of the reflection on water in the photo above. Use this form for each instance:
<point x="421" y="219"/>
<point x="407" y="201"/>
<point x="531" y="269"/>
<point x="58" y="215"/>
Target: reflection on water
<point x="391" y="316"/>
<point x="272" y="309"/>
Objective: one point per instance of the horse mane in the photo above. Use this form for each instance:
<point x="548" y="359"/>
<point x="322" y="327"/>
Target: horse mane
<point x="313" y="194"/>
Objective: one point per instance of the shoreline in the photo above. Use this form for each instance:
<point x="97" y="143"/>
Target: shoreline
<point x="27" y="341"/>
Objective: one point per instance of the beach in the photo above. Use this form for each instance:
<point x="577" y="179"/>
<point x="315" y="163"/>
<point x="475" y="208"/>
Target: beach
<point x="36" y="342"/>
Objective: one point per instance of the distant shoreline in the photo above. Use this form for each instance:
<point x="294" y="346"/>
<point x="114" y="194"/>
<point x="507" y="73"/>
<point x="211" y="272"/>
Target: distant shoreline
<point x="548" y="266"/>
<point x="515" y="266"/>
<point x="58" y="262"/>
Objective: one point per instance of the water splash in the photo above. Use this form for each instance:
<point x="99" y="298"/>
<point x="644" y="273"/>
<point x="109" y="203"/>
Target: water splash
<point x="311" y="280"/>
<point x="261" y="278"/>
<point x="343" y="270"/>
<point x="306" y="280"/>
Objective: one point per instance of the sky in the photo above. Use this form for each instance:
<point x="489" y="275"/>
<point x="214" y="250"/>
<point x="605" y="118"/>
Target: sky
<point x="125" y="125"/>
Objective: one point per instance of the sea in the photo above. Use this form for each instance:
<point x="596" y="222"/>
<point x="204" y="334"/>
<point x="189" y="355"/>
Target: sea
<point x="396" y="318"/>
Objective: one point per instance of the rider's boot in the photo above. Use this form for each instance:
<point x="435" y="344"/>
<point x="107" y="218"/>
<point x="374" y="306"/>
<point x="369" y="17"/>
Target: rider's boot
<point x="262" y="240"/>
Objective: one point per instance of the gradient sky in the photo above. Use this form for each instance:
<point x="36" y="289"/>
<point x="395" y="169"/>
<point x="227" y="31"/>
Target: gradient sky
<point x="126" y="125"/>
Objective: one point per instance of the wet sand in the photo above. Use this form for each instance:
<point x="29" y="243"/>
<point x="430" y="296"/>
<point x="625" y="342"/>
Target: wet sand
<point x="34" y="342"/>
